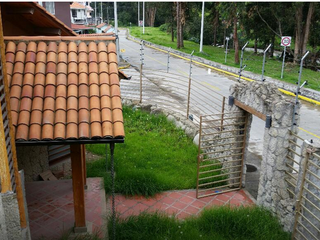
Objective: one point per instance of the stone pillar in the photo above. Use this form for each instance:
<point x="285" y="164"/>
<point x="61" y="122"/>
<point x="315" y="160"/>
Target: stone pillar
<point x="3" y="225"/>
<point x="265" y="98"/>
<point x="11" y="215"/>
<point x="272" y="192"/>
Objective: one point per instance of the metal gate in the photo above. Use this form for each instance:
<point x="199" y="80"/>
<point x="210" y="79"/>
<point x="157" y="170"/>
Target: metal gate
<point x="222" y="140"/>
<point x="307" y="219"/>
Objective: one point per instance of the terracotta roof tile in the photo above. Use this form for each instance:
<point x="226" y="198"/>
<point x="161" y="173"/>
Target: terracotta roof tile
<point x="65" y="90"/>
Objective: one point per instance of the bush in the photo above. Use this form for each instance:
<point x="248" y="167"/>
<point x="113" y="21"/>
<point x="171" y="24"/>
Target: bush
<point x="164" y="27"/>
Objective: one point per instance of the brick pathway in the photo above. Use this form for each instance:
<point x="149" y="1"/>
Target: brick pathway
<point x="51" y="212"/>
<point x="180" y="204"/>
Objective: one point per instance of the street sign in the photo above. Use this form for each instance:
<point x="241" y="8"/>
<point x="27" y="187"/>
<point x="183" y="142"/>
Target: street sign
<point x="285" y="41"/>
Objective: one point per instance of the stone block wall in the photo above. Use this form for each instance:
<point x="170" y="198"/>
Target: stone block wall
<point x="9" y="217"/>
<point x="33" y="160"/>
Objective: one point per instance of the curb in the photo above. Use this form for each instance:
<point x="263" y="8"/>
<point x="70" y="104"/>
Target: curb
<point x="308" y="95"/>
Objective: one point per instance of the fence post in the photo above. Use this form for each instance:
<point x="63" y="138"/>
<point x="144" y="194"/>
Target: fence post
<point x="225" y="58"/>
<point x="241" y="61"/>
<point x="141" y="65"/>
<point x="264" y="60"/>
<point x="222" y="113"/>
<point x="284" y="58"/>
<point x="168" y="61"/>
<point x="298" y="91"/>
<point x="189" y="87"/>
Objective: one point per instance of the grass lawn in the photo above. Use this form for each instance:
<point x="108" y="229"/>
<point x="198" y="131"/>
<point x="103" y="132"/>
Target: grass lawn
<point x="221" y="223"/>
<point x="156" y="156"/>
<point x="216" y="54"/>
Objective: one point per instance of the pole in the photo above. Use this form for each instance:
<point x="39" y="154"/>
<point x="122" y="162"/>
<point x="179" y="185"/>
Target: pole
<point x="101" y="13"/>
<point x="202" y="21"/>
<point x="143" y="17"/>
<point x="189" y="87"/>
<point x="141" y="65"/>
<point x="113" y="192"/>
<point x="108" y="14"/>
<point x="241" y="61"/>
<point x="298" y="91"/>
<point x="116" y="30"/>
<point x="264" y="60"/>
<point x="95" y="13"/>
<point x="138" y="13"/>
<point x="225" y="58"/>
<point x="284" y="57"/>
<point x="168" y="62"/>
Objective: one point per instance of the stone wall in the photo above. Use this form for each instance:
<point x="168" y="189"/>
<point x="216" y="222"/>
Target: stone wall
<point x="9" y="216"/>
<point x="33" y="160"/>
<point x="266" y="99"/>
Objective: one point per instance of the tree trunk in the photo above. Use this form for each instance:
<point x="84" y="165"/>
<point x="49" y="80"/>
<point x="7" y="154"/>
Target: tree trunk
<point x="172" y="33"/>
<point x="256" y="45"/>
<point x="307" y="27"/>
<point x="215" y="27"/>
<point x="151" y="15"/>
<point x="236" y="41"/>
<point x="272" y="46"/>
<point x="297" y="46"/>
<point x="178" y="26"/>
<point x="302" y="31"/>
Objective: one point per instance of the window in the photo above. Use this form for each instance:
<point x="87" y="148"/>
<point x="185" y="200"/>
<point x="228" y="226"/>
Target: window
<point x="50" y="7"/>
<point x="74" y="13"/>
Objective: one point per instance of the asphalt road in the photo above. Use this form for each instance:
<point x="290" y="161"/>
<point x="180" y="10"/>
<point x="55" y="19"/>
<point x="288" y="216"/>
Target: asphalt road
<point x="209" y="86"/>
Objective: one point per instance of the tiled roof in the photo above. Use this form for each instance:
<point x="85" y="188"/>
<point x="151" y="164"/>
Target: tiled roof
<point x="79" y="26"/>
<point x="76" y="5"/>
<point x="101" y="25"/>
<point x="64" y="90"/>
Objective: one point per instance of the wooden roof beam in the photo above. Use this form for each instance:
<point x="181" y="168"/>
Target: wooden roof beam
<point x="48" y="31"/>
<point x="21" y="10"/>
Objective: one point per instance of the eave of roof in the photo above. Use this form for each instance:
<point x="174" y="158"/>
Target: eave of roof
<point x="65" y="30"/>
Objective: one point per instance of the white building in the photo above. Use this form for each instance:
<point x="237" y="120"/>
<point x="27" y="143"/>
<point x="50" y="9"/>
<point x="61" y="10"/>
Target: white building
<point x="80" y="13"/>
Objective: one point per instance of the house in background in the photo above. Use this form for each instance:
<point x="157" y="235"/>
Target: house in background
<point x="101" y="27"/>
<point x="80" y="13"/>
<point x="60" y="9"/>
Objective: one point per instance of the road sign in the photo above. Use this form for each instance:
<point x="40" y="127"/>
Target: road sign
<point x="285" y="41"/>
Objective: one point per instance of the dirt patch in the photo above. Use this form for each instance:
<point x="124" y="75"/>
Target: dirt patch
<point x="90" y="157"/>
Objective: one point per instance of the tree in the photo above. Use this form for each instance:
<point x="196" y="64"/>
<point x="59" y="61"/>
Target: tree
<point x="231" y="13"/>
<point x="151" y="10"/>
<point x="303" y="23"/>
<point x="181" y="20"/>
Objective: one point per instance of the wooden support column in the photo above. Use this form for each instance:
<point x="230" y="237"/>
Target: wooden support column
<point x="78" y="188"/>
<point x="19" y="190"/>
<point x="84" y="166"/>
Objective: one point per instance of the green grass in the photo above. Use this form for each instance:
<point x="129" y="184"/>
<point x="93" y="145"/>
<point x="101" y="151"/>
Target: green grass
<point x="155" y="157"/>
<point x="221" y="223"/>
<point x="216" y="54"/>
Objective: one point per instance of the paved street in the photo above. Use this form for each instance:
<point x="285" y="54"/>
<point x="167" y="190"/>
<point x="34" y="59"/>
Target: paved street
<point x="170" y="89"/>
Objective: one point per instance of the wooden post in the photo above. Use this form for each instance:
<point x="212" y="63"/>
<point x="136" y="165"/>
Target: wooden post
<point x="5" y="178"/>
<point x="19" y="191"/>
<point x="84" y="166"/>
<point x="78" y="188"/>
